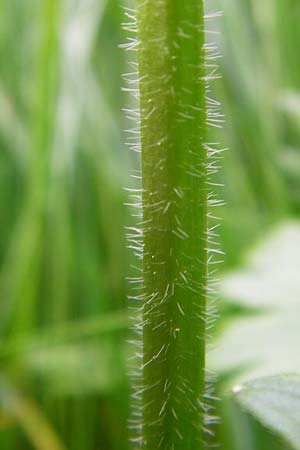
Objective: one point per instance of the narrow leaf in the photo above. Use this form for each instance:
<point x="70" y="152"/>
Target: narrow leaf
<point x="26" y="412"/>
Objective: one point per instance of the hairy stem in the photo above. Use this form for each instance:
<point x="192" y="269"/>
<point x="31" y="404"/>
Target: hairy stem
<point x="173" y="128"/>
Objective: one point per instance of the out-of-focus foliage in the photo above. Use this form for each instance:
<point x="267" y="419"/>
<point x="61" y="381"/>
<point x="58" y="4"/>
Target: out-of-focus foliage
<point x="275" y="401"/>
<point x="266" y="339"/>
<point x="63" y="258"/>
<point x="63" y="167"/>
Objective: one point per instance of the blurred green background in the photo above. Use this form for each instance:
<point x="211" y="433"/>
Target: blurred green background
<point x="63" y="169"/>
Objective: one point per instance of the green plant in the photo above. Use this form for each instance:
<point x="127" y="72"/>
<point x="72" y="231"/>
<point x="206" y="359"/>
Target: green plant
<point x="62" y="256"/>
<point x="172" y="407"/>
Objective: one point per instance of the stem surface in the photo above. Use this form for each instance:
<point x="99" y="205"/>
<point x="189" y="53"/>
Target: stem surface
<point x="174" y="160"/>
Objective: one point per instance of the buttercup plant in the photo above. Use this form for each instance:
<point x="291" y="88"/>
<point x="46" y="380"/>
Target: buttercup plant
<point x="174" y="64"/>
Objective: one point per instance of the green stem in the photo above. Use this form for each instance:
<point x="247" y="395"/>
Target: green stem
<point x="174" y="160"/>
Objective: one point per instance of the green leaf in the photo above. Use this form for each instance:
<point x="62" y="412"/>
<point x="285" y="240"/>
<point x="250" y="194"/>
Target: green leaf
<point x="267" y="343"/>
<point x="274" y="401"/>
<point x="75" y="369"/>
<point x="75" y="358"/>
<point x="73" y="331"/>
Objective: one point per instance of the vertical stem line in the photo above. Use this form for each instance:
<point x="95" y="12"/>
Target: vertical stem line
<point x="173" y="128"/>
